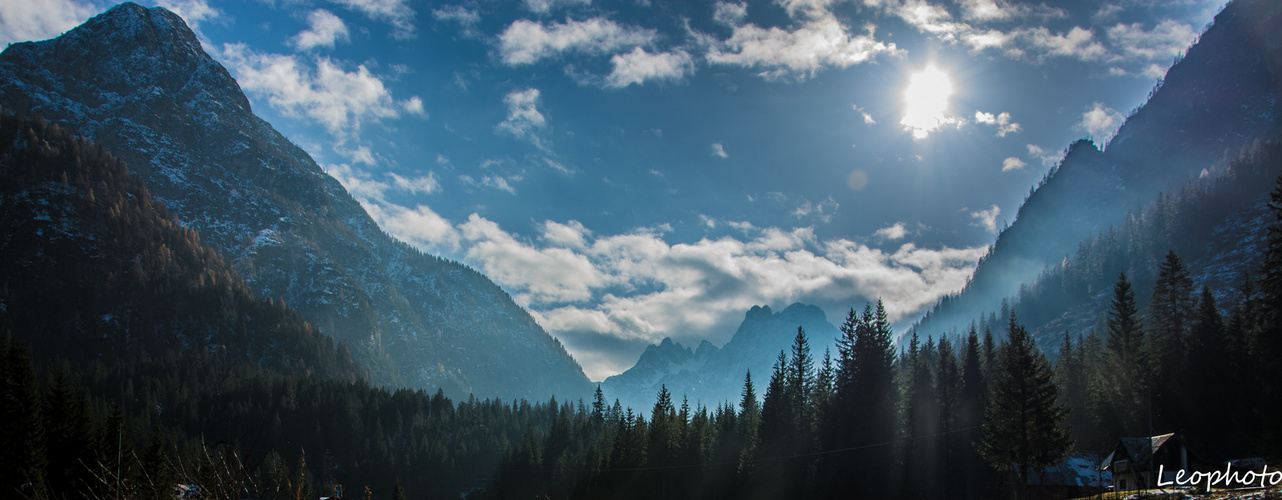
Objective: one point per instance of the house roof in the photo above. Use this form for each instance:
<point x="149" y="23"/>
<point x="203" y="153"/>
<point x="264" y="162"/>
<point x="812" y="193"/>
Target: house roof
<point x="1136" y="450"/>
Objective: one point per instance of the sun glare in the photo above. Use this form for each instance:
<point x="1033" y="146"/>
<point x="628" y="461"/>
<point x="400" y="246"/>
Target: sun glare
<point x="926" y="102"/>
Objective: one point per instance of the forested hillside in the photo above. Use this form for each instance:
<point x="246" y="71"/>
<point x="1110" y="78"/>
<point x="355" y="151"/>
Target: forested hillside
<point x="138" y="82"/>
<point x="1215" y="102"/>
<point x="92" y="267"/>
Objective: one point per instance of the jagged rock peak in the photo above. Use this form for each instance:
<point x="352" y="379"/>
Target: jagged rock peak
<point x="757" y="313"/>
<point x="130" y="49"/>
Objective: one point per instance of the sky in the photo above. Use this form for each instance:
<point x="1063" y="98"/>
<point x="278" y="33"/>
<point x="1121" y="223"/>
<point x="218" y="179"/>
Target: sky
<point x="630" y="170"/>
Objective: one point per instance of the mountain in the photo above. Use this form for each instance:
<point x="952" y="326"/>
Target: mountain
<point x="91" y="267"/>
<point x="1219" y="99"/>
<point x="709" y="375"/>
<point x="137" y="82"/>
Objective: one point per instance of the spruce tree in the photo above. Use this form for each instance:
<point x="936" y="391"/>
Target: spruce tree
<point x="1023" y="421"/>
<point x="948" y="403"/>
<point x="1209" y="389"/>
<point x="749" y="422"/>
<point x="22" y="432"/>
<point x="1126" y="375"/>
<point x="1170" y="311"/>
<point x="1270" y="330"/>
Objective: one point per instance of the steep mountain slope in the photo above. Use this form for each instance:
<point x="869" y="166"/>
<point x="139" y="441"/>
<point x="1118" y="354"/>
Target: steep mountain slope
<point x="137" y="81"/>
<point x="1217" y="225"/>
<point x="710" y="375"/>
<point x="1223" y="95"/>
<point x="91" y="267"/>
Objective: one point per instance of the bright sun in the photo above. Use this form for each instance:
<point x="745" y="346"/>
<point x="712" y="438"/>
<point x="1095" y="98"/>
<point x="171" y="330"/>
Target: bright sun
<point x="926" y="102"/>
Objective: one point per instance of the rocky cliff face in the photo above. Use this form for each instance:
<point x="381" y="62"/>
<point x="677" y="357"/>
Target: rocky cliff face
<point x="137" y="81"/>
<point x="711" y="376"/>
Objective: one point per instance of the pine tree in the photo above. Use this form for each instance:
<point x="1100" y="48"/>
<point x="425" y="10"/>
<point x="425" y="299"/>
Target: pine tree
<point x="864" y="410"/>
<point x="22" y="433"/>
<point x="800" y="382"/>
<point x="598" y="406"/>
<point x="948" y="403"/>
<point x="822" y="393"/>
<point x="974" y="391"/>
<point x="1126" y="374"/>
<point x="749" y="422"/>
<point x="664" y="433"/>
<point x="1170" y="311"/>
<point x="1023" y="420"/>
<point x="1208" y="387"/>
<point x="1270" y="335"/>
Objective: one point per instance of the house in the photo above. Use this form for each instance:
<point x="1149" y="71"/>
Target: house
<point x="1136" y="462"/>
<point x="1076" y="475"/>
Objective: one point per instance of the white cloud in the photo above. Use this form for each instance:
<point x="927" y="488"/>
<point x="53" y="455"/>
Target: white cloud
<point x="572" y="234"/>
<point x="492" y="181"/>
<point x="324" y="30"/>
<point x="638" y="66"/>
<point x="1101" y="122"/>
<point x="987" y="219"/>
<point x="545" y="6"/>
<point x="730" y="14"/>
<point x="1078" y="43"/>
<point x="24" y="20"/>
<point x="986" y="10"/>
<point x="524" y="121"/>
<point x="1153" y="50"/>
<point x="541" y="275"/>
<point x="868" y="120"/>
<point x="527" y="42"/>
<point x="798" y="54"/>
<point x="719" y="151"/>
<point x="1047" y="158"/>
<point x="980" y="41"/>
<point x="806" y="9"/>
<point x="426" y="184"/>
<point x="466" y="18"/>
<point x="365" y="187"/>
<point x="1001" y="121"/>
<point x="418" y="226"/>
<point x="192" y="11"/>
<point x="1012" y="163"/>
<point x="339" y="100"/>
<point x="637" y="286"/>
<point x="823" y="211"/>
<point x="397" y="13"/>
<point x="894" y="232"/>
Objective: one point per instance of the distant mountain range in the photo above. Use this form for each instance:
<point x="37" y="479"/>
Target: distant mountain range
<point x="1214" y="104"/>
<point x="137" y="82"/>
<point x="711" y="375"/>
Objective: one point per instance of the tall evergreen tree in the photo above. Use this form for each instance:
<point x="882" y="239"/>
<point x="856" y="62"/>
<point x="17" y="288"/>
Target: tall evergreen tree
<point x="749" y="423"/>
<point x="948" y="403"/>
<point x="22" y="435"/>
<point x="1126" y="373"/>
<point x="1170" y="312"/>
<point x="974" y="390"/>
<point x="1269" y="337"/>
<point x="1023" y="421"/>
<point x="864" y="410"/>
<point x="1208" y="387"/>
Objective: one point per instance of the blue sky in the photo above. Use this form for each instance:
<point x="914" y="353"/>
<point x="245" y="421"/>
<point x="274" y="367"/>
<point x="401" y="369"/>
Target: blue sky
<point x="635" y="169"/>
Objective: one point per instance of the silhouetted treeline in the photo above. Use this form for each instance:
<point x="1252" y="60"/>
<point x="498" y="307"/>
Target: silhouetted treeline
<point x="123" y="377"/>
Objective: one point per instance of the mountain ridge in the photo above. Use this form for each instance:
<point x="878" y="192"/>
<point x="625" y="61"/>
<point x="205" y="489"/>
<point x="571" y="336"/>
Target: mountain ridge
<point x="1222" y="95"/>
<point x="712" y="375"/>
<point x="137" y="81"/>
